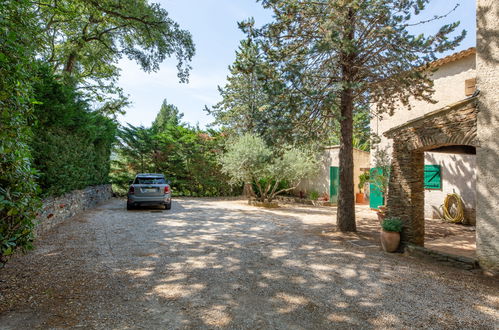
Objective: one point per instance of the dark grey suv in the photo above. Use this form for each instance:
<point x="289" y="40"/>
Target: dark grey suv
<point x="149" y="189"/>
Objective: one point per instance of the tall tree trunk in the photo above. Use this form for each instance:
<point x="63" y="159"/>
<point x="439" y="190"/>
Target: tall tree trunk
<point x="345" y="219"/>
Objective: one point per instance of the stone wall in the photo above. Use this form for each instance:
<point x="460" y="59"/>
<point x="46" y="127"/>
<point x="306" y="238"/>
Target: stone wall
<point x="57" y="209"/>
<point x="488" y="134"/>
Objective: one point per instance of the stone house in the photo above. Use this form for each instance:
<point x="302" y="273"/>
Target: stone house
<point x="458" y="126"/>
<point x="447" y="169"/>
<point x="326" y="181"/>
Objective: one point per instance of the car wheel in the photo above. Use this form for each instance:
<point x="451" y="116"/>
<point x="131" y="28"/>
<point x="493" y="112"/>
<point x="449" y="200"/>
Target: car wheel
<point x="129" y="207"/>
<point x="168" y="206"/>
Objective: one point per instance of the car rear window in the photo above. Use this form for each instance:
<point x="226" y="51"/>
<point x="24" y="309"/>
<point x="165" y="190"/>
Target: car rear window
<point x="145" y="180"/>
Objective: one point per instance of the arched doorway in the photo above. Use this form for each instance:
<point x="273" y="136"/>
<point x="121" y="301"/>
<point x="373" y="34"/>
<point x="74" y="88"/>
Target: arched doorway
<point x="454" y="125"/>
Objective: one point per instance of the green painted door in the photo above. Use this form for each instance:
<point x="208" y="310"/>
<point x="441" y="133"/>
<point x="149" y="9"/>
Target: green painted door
<point x="376" y="198"/>
<point x="334" y="183"/>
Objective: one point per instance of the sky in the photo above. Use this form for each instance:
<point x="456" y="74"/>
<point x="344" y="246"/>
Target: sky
<point x="213" y="25"/>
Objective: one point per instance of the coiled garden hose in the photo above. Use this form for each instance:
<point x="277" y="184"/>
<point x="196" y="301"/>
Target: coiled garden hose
<point x="458" y="209"/>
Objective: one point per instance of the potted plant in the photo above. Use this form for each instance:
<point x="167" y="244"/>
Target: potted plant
<point x="390" y="234"/>
<point x="314" y="196"/>
<point x="363" y="178"/>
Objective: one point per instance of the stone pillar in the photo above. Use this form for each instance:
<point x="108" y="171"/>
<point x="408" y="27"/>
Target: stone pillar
<point x="487" y="222"/>
<point x="406" y="193"/>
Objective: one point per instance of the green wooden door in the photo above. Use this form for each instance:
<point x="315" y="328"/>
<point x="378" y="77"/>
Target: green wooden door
<point x="334" y="183"/>
<point x="376" y="198"/>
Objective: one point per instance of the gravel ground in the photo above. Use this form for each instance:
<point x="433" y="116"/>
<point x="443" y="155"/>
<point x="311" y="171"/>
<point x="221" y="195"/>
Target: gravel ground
<point x="223" y="264"/>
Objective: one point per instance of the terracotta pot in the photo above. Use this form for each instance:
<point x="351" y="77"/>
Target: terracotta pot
<point x="359" y="198"/>
<point x="390" y="240"/>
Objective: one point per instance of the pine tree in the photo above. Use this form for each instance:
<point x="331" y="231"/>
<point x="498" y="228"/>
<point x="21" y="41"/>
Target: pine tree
<point x="337" y="55"/>
<point x="168" y="115"/>
<point x="248" y="103"/>
<point x="243" y="97"/>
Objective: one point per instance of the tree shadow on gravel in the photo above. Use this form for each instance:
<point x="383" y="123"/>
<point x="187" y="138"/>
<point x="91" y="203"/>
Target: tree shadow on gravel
<point x="223" y="264"/>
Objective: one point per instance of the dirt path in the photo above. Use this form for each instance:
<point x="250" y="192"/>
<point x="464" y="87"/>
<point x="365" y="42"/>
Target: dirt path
<point x="209" y="264"/>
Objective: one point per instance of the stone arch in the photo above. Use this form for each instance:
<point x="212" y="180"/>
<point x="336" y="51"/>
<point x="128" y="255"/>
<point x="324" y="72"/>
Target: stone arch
<point x="452" y="125"/>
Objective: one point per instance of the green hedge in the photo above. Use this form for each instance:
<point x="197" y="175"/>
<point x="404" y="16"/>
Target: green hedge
<point x="72" y="144"/>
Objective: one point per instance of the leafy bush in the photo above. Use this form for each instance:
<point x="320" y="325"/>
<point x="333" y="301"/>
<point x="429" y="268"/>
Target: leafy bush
<point x="363" y="178"/>
<point x="313" y="195"/>
<point x="18" y="190"/>
<point x="392" y="224"/>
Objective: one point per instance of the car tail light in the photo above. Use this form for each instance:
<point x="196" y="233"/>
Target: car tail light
<point x="167" y="189"/>
<point x="131" y="190"/>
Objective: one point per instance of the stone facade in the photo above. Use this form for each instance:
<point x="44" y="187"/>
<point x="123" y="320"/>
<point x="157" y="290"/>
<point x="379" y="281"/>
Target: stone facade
<point x="452" y="125"/>
<point x="449" y="81"/>
<point x="488" y="134"/>
<point x="450" y="78"/>
<point x="57" y="209"/>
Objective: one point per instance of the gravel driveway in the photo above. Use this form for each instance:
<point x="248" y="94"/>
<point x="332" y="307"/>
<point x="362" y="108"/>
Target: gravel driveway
<point x="210" y="263"/>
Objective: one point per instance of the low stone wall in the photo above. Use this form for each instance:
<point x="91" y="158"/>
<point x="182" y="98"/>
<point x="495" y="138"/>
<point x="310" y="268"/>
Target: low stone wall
<point x="57" y="209"/>
<point x="449" y="259"/>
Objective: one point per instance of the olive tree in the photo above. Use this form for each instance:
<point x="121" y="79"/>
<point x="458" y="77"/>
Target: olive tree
<point x="250" y="160"/>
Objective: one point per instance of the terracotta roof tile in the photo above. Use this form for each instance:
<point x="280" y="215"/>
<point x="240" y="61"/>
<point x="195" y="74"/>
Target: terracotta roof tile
<point x="453" y="57"/>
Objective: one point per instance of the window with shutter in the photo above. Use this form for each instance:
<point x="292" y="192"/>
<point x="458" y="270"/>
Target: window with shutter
<point x="469" y="86"/>
<point x="432" y="177"/>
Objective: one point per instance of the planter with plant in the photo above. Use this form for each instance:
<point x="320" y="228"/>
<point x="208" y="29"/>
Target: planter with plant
<point x="390" y="234"/>
<point x="314" y="196"/>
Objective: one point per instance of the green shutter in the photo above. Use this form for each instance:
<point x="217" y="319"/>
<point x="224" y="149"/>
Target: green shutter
<point x="432" y="177"/>
<point x="376" y="198"/>
<point x="334" y="182"/>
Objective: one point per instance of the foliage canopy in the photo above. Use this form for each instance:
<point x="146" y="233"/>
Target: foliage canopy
<point x="84" y="39"/>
